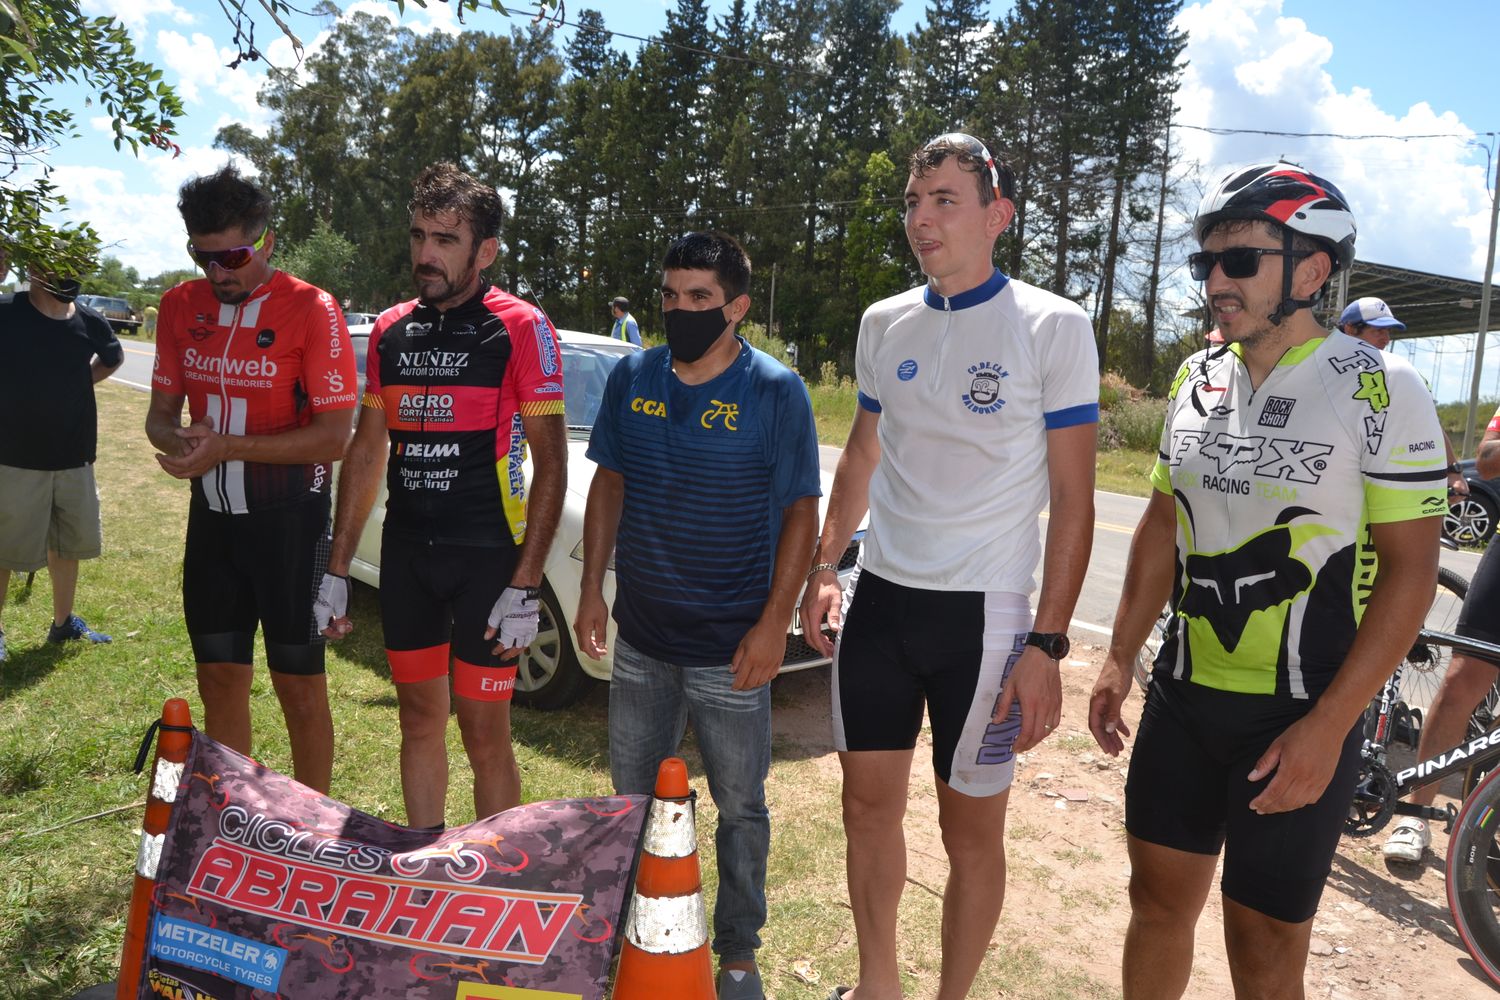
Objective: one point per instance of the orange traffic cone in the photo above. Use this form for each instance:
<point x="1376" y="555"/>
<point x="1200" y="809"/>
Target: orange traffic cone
<point x="665" y="953"/>
<point x="173" y="740"/>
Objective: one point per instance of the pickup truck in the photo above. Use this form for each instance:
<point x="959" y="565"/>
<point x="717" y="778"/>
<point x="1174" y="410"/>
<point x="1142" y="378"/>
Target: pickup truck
<point x="116" y="310"/>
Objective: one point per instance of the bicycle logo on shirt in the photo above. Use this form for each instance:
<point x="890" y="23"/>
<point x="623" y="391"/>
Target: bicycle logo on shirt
<point x="725" y="413"/>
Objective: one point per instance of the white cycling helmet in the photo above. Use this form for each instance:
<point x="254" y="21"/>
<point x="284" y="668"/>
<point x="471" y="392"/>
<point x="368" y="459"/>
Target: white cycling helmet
<point x="1293" y="198"/>
<point x="1287" y="195"/>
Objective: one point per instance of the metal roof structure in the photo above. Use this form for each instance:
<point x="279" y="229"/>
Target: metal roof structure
<point x="1431" y="305"/>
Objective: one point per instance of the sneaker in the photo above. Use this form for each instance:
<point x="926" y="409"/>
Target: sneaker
<point x="738" y="984"/>
<point x="74" y="628"/>
<point x="838" y="992"/>
<point x="1408" y="841"/>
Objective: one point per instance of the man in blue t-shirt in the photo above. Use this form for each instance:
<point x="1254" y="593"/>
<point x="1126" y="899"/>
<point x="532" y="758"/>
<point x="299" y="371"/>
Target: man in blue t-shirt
<point x="706" y="492"/>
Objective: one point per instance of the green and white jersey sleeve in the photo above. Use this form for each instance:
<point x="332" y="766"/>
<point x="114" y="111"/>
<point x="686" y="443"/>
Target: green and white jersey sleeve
<point x="1276" y="488"/>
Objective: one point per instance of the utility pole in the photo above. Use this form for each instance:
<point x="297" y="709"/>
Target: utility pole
<point x="771" y="320"/>
<point x="1484" y="313"/>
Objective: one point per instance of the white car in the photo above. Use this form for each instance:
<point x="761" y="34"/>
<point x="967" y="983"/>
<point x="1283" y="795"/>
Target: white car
<point x="553" y="673"/>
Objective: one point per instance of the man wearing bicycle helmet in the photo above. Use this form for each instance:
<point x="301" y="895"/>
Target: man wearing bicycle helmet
<point x="1293" y="525"/>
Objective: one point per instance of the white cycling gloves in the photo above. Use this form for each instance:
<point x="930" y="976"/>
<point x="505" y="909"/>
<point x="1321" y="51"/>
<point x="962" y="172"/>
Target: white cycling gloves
<point x="514" y="617"/>
<point x="332" y="600"/>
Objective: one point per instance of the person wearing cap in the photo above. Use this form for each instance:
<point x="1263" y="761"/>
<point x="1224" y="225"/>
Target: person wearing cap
<point x="53" y="351"/>
<point x="978" y="406"/>
<point x="625" y="327"/>
<point x="1371" y="320"/>
<point x="1293" y="532"/>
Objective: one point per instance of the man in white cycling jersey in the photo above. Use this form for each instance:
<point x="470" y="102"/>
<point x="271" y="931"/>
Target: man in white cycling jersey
<point x="978" y="405"/>
<point x="1298" y="493"/>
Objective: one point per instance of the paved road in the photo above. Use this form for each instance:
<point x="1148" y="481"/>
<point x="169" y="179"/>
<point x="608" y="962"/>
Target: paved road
<point x="136" y="371"/>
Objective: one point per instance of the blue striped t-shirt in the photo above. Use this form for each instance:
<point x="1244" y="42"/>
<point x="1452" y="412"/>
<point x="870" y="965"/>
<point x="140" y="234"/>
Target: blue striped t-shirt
<point x="708" y="470"/>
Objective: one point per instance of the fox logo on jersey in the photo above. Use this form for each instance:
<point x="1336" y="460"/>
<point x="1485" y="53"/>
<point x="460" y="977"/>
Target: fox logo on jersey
<point x="1229" y="450"/>
<point x="1226" y="588"/>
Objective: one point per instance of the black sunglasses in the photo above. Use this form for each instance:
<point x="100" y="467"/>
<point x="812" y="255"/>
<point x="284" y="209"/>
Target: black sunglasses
<point x="1237" y="262"/>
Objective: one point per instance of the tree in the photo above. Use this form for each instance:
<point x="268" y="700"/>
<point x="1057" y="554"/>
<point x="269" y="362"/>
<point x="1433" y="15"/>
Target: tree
<point x="948" y="55"/>
<point x="46" y="45"/>
<point x="324" y="259"/>
<point x="1133" y="85"/>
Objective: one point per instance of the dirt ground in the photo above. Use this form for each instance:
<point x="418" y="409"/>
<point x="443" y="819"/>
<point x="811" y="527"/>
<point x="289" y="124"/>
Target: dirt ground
<point x="1381" y="931"/>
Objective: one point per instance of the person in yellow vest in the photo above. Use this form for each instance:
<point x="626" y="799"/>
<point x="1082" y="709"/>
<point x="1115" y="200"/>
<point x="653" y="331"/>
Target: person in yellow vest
<point x="625" y="327"/>
<point x="150" y="314"/>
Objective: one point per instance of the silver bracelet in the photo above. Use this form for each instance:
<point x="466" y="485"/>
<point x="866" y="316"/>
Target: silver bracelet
<point x="820" y="567"/>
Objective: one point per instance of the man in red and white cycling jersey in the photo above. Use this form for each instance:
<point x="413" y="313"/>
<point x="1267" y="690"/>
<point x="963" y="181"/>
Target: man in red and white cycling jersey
<point x="264" y="364"/>
<point x="462" y="381"/>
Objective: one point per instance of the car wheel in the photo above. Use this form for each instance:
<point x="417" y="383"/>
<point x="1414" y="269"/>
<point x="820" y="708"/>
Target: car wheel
<point x="1471" y="519"/>
<point x="549" y="676"/>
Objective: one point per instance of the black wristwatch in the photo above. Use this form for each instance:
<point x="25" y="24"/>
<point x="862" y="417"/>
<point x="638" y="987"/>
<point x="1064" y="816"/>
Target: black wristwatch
<point x="1054" y="644"/>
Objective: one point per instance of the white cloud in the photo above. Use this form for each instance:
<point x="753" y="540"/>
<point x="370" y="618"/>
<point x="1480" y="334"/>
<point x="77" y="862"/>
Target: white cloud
<point x="1420" y="203"/>
<point x="203" y="75"/>
<point x="135" y="13"/>
<point x="138" y="222"/>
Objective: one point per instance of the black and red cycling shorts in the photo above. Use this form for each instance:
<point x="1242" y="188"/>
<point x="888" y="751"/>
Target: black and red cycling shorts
<point x="435" y="601"/>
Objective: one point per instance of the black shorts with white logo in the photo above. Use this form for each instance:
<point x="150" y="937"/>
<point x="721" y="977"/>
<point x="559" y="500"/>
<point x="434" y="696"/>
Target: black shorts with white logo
<point x="904" y="648"/>
<point x="1189" y="789"/>
<point x="261" y="568"/>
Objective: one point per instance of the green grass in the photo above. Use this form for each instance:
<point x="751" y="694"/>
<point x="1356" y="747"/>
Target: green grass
<point x="71" y="719"/>
<point x="1122" y="470"/>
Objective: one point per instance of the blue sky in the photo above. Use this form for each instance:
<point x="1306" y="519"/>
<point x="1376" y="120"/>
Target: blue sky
<point x="1373" y="67"/>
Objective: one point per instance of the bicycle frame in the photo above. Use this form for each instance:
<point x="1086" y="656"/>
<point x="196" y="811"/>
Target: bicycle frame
<point x="1481" y="750"/>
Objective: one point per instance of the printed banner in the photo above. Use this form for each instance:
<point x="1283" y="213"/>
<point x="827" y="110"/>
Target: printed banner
<point x="268" y="890"/>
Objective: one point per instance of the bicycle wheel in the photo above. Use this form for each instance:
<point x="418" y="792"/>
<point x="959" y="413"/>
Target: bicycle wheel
<point x="1472" y="896"/>
<point x="1425" y="665"/>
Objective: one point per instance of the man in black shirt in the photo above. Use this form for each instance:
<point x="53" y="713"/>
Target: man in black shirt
<point x="52" y="351"/>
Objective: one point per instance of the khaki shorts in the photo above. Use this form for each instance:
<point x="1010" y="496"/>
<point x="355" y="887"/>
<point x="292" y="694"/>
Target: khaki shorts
<point x="48" y="510"/>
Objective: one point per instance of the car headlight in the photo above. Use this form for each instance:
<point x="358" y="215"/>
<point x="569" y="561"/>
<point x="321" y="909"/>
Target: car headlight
<point x="577" y="553"/>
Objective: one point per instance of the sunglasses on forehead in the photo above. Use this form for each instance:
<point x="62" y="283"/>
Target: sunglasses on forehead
<point x="1237" y="262"/>
<point x="229" y="260"/>
<point x="974" y="148"/>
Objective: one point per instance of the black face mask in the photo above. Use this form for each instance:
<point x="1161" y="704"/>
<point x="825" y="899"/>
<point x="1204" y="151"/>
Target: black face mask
<point x="62" y="289"/>
<point x="691" y="333"/>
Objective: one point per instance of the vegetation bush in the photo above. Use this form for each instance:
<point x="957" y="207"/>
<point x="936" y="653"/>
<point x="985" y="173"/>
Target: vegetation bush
<point x="1128" y="417"/>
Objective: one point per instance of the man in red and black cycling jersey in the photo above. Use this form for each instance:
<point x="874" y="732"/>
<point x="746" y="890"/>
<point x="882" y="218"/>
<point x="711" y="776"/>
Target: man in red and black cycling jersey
<point x="461" y="380"/>
<point x="264" y="363"/>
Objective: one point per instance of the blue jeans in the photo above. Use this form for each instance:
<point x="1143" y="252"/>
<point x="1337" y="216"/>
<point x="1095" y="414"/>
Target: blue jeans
<point x="650" y="704"/>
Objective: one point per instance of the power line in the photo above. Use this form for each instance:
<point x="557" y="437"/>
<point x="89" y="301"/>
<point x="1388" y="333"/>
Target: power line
<point x="1215" y="130"/>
